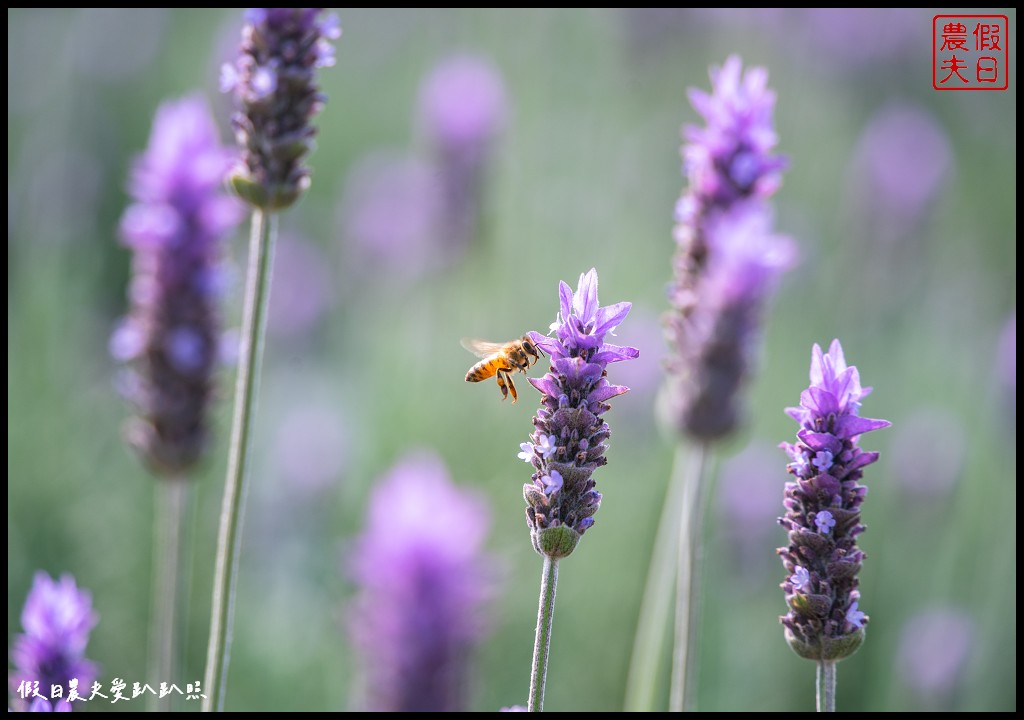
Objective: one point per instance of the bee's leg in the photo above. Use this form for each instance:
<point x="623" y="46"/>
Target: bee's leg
<point x="512" y="389"/>
<point x="500" y="379"/>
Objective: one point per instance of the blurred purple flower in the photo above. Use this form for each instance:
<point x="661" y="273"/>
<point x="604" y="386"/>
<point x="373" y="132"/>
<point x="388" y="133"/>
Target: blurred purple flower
<point x="561" y="499"/>
<point x="302" y="290"/>
<point x="423" y="580"/>
<point x="934" y="650"/>
<point x="730" y="158"/>
<point x="274" y="85"/>
<point x="57" y="619"/>
<point x="727" y="259"/>
<point x="928" y="451"/>
<point x="176" y="228"/>
<point x="462" y="105"/>
<point x="901" y="161"/>
<point x="390" y="213"/>
<point x="461" y="114"/>
<point x="41" y="704"/>
<point x="824" y="620"/>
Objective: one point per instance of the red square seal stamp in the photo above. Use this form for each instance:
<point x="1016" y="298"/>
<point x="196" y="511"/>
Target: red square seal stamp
<point x="970" y="52"/>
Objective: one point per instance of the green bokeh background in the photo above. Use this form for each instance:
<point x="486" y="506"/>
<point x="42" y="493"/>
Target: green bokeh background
<point x="586" y="175"/>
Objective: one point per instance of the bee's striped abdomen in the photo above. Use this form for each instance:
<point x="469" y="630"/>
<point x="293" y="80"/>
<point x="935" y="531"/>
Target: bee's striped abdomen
<point x="482" y="370"/>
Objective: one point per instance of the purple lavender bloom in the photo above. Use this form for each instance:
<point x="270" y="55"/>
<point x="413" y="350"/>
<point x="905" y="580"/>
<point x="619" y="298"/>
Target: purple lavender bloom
<point x="41" y="704"/>
<point x="57" y="619"/>
<point x="730" y="158"/>
<point x="274" y="84"/>
<point x="462" y="105"/>
<point x="824" y="620"/>
<point x="462" y="113"/>
<point x="171" y="337"/>
<point x="570" y="438"/>
<point x="423" y="581"/>
<point x="727" y="260"/>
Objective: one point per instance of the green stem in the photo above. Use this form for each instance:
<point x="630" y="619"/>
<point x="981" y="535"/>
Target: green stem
<point x="257" y="295"/>
<point x="652" y="628"/>
<point x="826" y="686"/>
<point x="171" y="496"/>
<point x="688" y="577"/>
<point x="542" y="643"/>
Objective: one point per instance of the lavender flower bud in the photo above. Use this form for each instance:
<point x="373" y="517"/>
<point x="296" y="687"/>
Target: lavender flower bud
<point x="171" y="337"/>
<point x="822" y="516"/>
<point x="570" y="437"/>
<point x="274" y="84"/>
<point x="57" y="619"/>
<point x="727" y="260"/>
<point x="423" y="581"/>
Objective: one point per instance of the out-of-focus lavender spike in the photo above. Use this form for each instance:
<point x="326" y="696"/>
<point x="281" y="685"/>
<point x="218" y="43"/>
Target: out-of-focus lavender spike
<point x="57" y="619"/>
<point x="170" y="340"/>
<point x="423" y="580"/>
<point x="728" y="259"/>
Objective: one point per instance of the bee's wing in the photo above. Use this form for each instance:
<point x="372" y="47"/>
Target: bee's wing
<point x="482" y="348"/>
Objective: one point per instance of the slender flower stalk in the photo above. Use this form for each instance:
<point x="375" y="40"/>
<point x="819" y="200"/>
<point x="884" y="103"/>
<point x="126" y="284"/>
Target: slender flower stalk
<point x="423" y="581"/>
<point x="57" y="619"/>
<point x="569" y="441"/>
<point x="170" y="341"/>
<point x="822" y="560"/>
<point x="274" y="84"/>
<point x="726" y="265"/>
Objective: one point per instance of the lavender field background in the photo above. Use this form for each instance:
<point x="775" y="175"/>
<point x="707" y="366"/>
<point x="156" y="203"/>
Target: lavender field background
<point x="901" y="201"/>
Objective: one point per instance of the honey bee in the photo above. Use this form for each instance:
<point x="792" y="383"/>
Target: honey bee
<point x="500" y="360"/>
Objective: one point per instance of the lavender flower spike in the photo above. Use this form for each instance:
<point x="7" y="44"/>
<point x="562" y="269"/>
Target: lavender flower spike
<point x="727" y="259"/>
<point x="274" y="84"/>
<point x="57" y="619"/>
<point x="822" y="517"/>
<point x="423" y="581"/>
<point x="171" y="337"/>
<point x="570" y="438"/>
